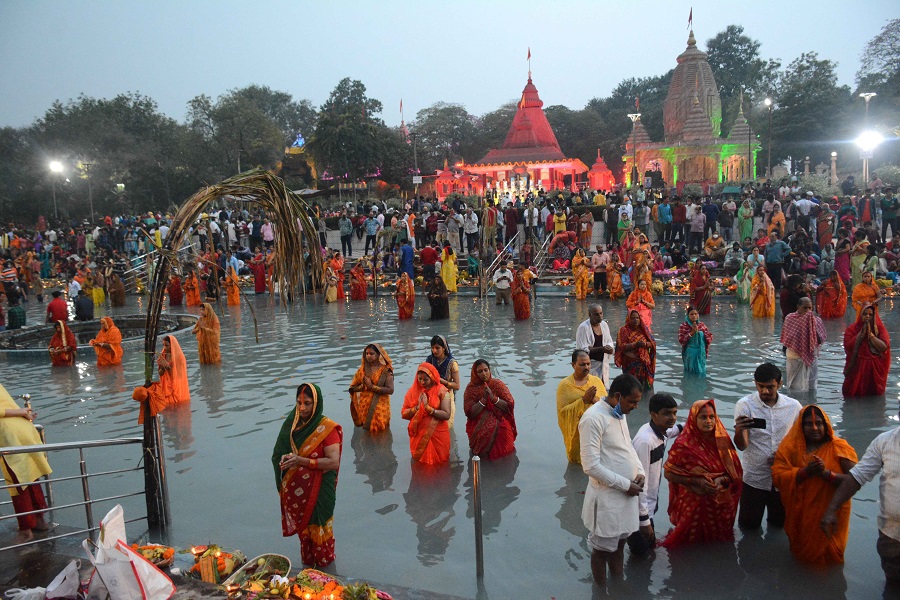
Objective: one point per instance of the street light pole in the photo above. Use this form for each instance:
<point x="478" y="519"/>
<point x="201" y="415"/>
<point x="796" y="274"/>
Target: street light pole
<point x="635" y="117"/>
<point x="834" y="178"/>
<point x="866" y="96"/>
<point x="55" y="167"/>
<point x="768" y="102"/>
<point x="87" y="170"/>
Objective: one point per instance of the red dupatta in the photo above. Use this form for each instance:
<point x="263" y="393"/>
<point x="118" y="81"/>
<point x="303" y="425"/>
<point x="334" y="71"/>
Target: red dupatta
<point x="695" y="454"/>
<point x="483" y="429"/>
<point x="867" y="374"/>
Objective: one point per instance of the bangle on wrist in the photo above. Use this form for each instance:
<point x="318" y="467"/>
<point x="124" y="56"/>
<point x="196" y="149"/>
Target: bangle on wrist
<point x="313" y="463"/>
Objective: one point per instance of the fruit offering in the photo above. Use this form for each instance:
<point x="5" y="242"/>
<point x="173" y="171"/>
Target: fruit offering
<point x="161" y="556"/>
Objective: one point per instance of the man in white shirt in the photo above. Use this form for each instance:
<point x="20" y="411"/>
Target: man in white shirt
<point x="882" y="455"/>
<point x="470" y="228"/>
<point x="650" y="445"/>
<point x="611" y="510"/>
<point x="74" y="288"/>
<point x="502" y="283"/>
<point x="761" y="420"/>
<point x="593" y="337"/>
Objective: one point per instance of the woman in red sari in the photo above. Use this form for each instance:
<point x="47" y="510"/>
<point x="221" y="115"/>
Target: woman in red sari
<point x="258" y="268"/>
<point x="642" y="301"/>
<point x="337" y="264"/>
<point x="521" y="293"/>
<point x="831" y="297"/>
<point x="358" y="285"/>
<point x="705" y="480"/>
<point x="306" y="457"/>
<point x="701" y="296"/>
<point x="427" y="408"/>
<point x="490" y="423"/>
<point x="172" y="368"/>
<point x="192" y="290"/>
<point x="176" y="293"/>
<point x="63" y="346"/>
<point x="636" y="349"/>
<point x="810" y="463"/>
<point x="406" y="296"/>
<point x="868" y="348"/>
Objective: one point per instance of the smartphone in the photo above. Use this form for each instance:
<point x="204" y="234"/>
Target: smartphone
<point x="757" y="424"/>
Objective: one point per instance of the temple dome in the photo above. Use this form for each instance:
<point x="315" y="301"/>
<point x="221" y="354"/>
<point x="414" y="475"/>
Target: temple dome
<point x="692" y="77"/>
<point x="740" y="131"/>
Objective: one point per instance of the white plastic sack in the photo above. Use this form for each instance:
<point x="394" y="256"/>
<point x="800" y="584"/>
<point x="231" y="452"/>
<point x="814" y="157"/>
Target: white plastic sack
<point x="123" y="571"/>
<point x="66" y="584"/>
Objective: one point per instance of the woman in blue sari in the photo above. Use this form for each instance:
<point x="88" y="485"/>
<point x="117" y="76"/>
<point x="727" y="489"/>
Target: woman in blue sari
<point x="695" y="339"/>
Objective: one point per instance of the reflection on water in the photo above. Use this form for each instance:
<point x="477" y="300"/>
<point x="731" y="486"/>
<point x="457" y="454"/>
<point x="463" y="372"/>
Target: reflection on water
<point x="390" y="512"/>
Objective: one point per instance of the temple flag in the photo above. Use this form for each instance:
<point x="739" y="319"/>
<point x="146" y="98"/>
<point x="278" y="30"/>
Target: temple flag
<point x="637" y="103"/>
<point x="691" y="18"/>
<point x="529" y="53"/>
<point x="401" y="106"/>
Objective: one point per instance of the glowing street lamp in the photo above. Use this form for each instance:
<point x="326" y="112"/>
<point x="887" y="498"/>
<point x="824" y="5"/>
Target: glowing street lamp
<point x="834" y="178"/>
<point x="56" y="167"/>
<point x="867" y="142"/>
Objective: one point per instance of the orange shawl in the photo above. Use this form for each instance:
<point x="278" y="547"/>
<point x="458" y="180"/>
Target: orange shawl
<point x="233" y="288"/>
<point x="370" y="410"/>
<point x="107" y="357"/>
<point x="864" y="293"/>
<point x="207" y="332"/>
<point x="614" y="282"/>
<point x="805" y="503"/>
<point x="762" y="295"/>
<point x="173" y="374"/>
<point x="831" y="298"/>
<point x="192" y="290"/>
<point x="429" y="438"/>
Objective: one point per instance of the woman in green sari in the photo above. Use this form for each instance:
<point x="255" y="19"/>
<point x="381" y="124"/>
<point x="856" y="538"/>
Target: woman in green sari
<point x="306" y="457"/>
<point x="745" y="220"/>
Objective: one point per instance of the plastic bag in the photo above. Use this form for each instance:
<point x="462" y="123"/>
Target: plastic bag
<point x="66" y="583"/>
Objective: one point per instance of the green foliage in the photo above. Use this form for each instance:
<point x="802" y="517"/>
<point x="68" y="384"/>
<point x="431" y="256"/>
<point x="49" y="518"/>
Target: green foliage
<point x="577" y="131"/>
<point x="444" y="131"/>
<point x="820" y="185"/>
<point x="890" y="175"/>
<point x="492" y="128"/>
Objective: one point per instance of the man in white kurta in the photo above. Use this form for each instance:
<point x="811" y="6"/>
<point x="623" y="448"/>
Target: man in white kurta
<point x="593" y="336"/>
<point x="611" y="511"/>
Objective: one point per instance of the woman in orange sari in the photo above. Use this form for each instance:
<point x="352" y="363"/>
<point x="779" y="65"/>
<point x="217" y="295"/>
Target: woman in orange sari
<point x="640" y="256"/>
<point x="777" y="222"/>
<point x="867" y="346"/>
<point x="406" y="296"/>
<point x="614" y="280"/>
<point x="207" y="332"/>
<point x="636" y="349"/>
<point x="490" y="423"/>
<point x="831" y="297"/>
<point x="337" y="264"/>
<point x="810" y="463"/>
<point x="705" y="480"/>
<point x="306" y="458"/>
<point x="762" y="294"/>
<point x="371" y="389"/>
<point x="233" y="288"/>
<point x="172" y="368"/>
<point x="108" y="344"/>
<point x="192" y="290"/>
<point x="642" y="301"/>
<point x="521" y="293"/>
<point x="427" y="408"/>
<point x="63" y="346"/>
<point x="581" y="274"/>
<point x="866" y="292"/>
<point x="176" y="293"/>
<point x="358" y="285"/>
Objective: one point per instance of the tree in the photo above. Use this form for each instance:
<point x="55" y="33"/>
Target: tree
<point x="292" y="117"/>
<point x="346" y="140"/>
<point x="880" y="73"/>
<point x="577" y="131"/>
<point x="491" y="129"/>
<point x="881" y="57"/>
<point x="444" y="130"/>
<point x="736" y="65"/>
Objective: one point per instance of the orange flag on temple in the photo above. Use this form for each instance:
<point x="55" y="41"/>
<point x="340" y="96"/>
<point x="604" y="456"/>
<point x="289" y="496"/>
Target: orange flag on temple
<point x="529" y="53"/>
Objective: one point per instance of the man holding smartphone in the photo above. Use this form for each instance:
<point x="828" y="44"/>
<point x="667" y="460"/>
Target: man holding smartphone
<point x="761" y="420"/>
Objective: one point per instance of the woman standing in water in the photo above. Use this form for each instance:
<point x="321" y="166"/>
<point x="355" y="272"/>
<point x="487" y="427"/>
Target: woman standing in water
<point x="695" y="339"/>
<point x="306" y="458"/>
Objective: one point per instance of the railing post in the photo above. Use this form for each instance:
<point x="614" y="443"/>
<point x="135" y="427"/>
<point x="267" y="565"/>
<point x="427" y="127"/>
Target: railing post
<point x="476" y="498"/>
<point x="155" y="488"/>
<point x="85" y="488"/>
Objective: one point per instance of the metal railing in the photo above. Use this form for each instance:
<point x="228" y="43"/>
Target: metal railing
<point x="488" y="272"/>
<point x="543" y="256"/>
<point x="138" y="269"/>
<point x="84" y="476"/>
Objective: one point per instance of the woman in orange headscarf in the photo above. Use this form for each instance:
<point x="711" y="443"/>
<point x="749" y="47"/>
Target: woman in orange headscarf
<point x="614" y="280"/>
<point x="831" y="297"/>
<point x="810" y="463"/>
<point x="233" y="287"/>
<point x="642" y="301"/>
<point x="192" y="290"/>
<point x="705" y="480"/>
<point x="762" y="294"/>
<point x="337" y="264"/>
<point x="108" y="344"/>
<point x="207" y="332"/>
<point x="868" y="355"/>
<point x="371" y="389"/>
<point x="176" y="293"/>
<point x="427" y="408"/>
<point x="63" y="346"/>
<point x="172" y="368"/>
<point x="406" y="296"/>
<point x="866" y="292"/>
<point x="358" y="285"/>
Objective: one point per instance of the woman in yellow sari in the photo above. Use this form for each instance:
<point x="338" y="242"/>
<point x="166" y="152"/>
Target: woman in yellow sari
<point x="331" y="285"/>
<point x="449" y="269"/>
<point x="777" y="222"/>
<point x="858" y="258"/>
<point x="866" y="292"/>
<point x="762" y="294"/>
<point x="581" y="274"/>
<point x="371" y="389"/>
<point x="108" y="344"/>
<point x="99" y="293"/>
<point x="207" y="332"/>
<point x="614" y="280"/>
<point x="233" y="287"/>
